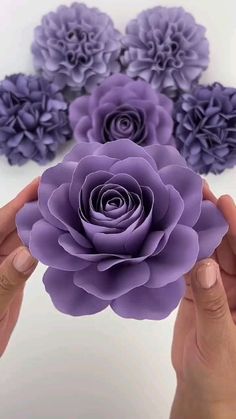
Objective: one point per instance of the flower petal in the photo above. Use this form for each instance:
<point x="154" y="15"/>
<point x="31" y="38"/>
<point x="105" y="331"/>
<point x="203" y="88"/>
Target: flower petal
<point x="25" y="219"/>
<point x="211" y="228"/>
<point x="153" y="304"/>
<point x="67" y="297"/>
<point x="60" y="208"/>
<point x="78" y="109"/>
<point x="122" y="149"/>
<point x="45" y="247"/>
<point x="87" y="165"/>
<point x="80" y="151"/>
<point x="114" y="282"/>
<point x="176" y="259"/>
<point x="145" y="175"/>
<point x="165" y="156"/>
<point x="51" y="179"/>
<point x="189" y="185"/>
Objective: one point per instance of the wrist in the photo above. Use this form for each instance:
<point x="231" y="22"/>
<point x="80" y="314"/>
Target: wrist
<point x="188" y="405"/>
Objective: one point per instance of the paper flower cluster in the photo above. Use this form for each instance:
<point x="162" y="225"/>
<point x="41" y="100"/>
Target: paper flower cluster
<point x="123" y="108"/>
<point x="33" y="119"/>
<point x="119" y="225"/>
<point x="167" y="48"/>
<point x="122" y="218"/>
<point x="76" y="47"/>
<point x="206" y="128"/>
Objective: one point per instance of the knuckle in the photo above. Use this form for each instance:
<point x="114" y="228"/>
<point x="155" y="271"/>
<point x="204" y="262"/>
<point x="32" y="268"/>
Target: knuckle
<point x="216" y="308"/>
<point x="5" y="284"/>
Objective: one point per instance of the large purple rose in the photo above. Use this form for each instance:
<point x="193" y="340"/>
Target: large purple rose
<point x="123" y="108"/>
<point x="119" y="225"/>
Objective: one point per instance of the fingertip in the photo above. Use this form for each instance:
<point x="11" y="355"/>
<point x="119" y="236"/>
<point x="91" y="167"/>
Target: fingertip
<point x="30" y="192"/>
<point x="208" y="195"/>
<point x="227" y="206"/>
<point x="226" y="198"/>
<point x="205" y="273"/>
<point x="23" y="262"/>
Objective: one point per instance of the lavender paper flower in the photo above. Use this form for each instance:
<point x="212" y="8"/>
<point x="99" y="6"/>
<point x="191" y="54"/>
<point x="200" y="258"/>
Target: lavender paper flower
<point x="123" y="108"/>
<point x="33" y="119"/>
<point x="206" y="128"/>
<point x="167" y="48"/>
<point x="119" y="225"/>
<point x="76" y="47"/>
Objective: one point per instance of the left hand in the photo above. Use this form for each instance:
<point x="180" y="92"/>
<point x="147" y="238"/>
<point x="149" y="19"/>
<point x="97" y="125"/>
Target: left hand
<point x="16" y="264"/>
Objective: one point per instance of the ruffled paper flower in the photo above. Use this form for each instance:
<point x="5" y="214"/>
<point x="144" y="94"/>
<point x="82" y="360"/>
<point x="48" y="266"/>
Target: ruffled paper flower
<point x="206" y="128"/>
<point x="122" y="108"/>
<point x="76" y="47"/>
<point x="33" y="119"/>
<point x="167" y="48"/>
<point x="118" y="225"/>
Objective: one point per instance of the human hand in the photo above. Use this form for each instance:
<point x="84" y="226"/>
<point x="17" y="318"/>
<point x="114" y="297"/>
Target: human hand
<point x="16" y="264"/>
<point x="204" y="344"/>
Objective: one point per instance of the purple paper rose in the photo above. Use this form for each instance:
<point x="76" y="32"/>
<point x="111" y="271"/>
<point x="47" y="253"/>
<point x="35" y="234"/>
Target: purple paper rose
<point x="119" y="225"/>
<point x="122" y="108"/>
<point x="33" y="119"/>
<point x="76" y="47"/>
<point x="167" y="48"/>
<point x="205" y="128"/>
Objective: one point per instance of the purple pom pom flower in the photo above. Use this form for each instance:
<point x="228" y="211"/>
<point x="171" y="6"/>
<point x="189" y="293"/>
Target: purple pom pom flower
<point x="119" y="225"/>
<point x="76" y="47"/>
<point x="33" y="119"/>
<point x="206" y="128"/>
<point x="167" y="48"/>
<point x="123" y="108"/>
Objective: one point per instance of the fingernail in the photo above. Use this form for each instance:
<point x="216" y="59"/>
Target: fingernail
<point x="207" y="275"/>
<point x="23" y="261"/>
<point x="206" y="183"/>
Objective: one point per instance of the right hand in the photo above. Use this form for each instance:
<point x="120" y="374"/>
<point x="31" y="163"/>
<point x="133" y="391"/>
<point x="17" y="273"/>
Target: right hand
<point x="204" y="344"/>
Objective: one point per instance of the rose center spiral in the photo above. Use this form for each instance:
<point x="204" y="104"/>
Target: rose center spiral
<point x="124" y="122"/>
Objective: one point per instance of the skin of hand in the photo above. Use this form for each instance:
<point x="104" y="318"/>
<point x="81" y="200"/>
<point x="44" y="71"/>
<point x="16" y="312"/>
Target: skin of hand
<point x="204" y="343"/>
<point x="16" y="264"/>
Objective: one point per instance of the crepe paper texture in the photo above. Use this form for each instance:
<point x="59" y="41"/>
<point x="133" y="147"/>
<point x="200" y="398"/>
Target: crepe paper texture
<point x="123" y="108"/>
<point x="119" y="225"/>
<point x="167" y="48"/>
<point x="33" y="119"/>
<point x="76" y="47"/>
<point x="205" y="128"/>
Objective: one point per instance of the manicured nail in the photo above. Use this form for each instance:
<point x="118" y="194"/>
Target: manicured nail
<point x="23" y="261"/>
<point x="207" y="275"/>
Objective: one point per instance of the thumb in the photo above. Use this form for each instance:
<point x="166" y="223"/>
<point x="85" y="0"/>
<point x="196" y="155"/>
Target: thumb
<point x="213" y="317"/>
<point x="14" y="272"/>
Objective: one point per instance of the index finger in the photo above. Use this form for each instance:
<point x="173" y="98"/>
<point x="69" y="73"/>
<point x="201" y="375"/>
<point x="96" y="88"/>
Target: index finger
<point x="228" y="208"/>
<point x="9" y="211"/>
<point x="208" y="194"/>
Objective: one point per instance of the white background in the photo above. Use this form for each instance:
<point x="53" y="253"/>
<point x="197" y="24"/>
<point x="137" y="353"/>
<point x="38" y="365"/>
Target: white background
<point x="99" y="367"/>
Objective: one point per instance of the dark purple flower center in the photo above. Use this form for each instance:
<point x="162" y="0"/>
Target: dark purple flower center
<point x="77" y="35"/>
<point x="125" y="122"/>
<point x="80" y="45"/>
<point x="165" y="48"/>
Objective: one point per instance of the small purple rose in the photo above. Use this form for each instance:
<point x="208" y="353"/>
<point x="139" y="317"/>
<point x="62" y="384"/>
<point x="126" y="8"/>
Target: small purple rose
<point x="119" y="225"/>
<point x="167" y="48"/>
<point x="76" y="47"/>
<point x="123" y="108"/>
<point x="205" y="128"/>
<point x="33" y="119"/>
